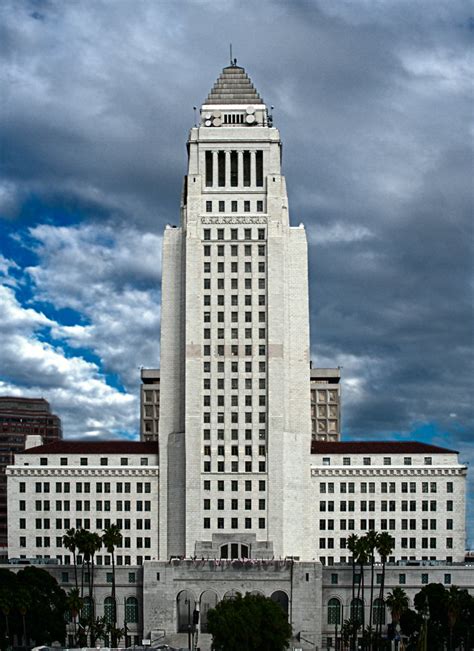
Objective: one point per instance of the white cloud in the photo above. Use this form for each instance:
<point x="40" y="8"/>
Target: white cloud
<point x="110" y="275"/>
<point x="76" y="389"/>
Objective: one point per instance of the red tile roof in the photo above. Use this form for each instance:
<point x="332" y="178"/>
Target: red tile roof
<point x="95" y="447"/>
<point x="376" y="447"/>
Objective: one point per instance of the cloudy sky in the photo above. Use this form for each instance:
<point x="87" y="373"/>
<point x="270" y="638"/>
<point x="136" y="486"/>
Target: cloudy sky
<point x="374" y="102"/>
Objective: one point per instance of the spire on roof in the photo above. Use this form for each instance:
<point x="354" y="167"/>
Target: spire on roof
<point x="233" y="86"/>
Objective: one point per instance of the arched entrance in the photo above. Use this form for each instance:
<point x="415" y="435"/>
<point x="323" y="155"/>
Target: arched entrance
<point x="208" y="601"/>
<point x="281" y="598"/>
<point x="185" y="605"/>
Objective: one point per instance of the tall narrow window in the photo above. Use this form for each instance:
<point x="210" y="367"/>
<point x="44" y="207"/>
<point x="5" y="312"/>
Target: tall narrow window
<point x="209" y="169"/>
<point x="259" y="166"/>
<point x="246" y="169"/>
<point x="221" y="168"/>
<point x="233" y="169"/>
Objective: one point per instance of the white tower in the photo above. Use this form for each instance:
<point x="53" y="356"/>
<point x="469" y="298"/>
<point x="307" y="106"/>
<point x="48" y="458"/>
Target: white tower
<point x="235" y="429"/>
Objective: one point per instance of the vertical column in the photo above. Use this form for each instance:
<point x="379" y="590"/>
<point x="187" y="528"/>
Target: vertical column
<point x="227" y="169"/>
<point x="240" y="169"/>
<point x="215" y="167"/>
<point x="253" y="169"/>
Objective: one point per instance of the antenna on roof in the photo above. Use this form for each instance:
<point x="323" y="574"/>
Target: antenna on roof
<point x="230" y="47"/>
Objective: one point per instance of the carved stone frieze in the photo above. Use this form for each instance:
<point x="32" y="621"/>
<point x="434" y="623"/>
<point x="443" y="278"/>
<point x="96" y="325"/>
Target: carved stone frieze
<point x="233" y="220"/>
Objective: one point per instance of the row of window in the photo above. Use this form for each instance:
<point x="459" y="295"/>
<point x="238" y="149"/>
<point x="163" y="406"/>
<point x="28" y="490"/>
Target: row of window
<point x="234" y="267"/>
<point x="248" y="466"/>
<point x="234" y="283"/>
<point x="402" y="579"/>
<point x="131" y="610"/>
<point x="99" y="560"/>
<point x="235" y="350"/>
<point x="234" y="450"/>
<point x="234" y="400"/>
<point x="100" y="505"/>
<point x="385" y="505"/>
<point x="385" y="524"/>
<point x="385" y="487"/>
<point x="45" y="541"/>
<point x="84" y="461"/>
<point x="234" y="250"/>
<point x="234" y="417"/>
<point x="223" y="206"/>
<point x="234" y="434"/>
<point x="222" y="170"/>
<point x="245" y="367"/>
<point x="85" y="487"/>
<point x="60" y="523"/>
<point x="234" y="523"/>
<point x="234" y="382"/>
<point x="405" y="543"/>
<point x="234" y="484"/>
<point x="234" y="333"/>
<point x="387" y="461"/>
<point x="248" y="504"/>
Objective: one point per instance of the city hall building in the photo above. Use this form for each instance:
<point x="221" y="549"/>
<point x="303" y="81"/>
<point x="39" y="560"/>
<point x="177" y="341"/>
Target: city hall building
<point x="248" y="487"/>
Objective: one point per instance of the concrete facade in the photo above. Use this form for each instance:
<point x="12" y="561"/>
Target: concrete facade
<point x="56" y="486"/>
<point x="149" y="404"/>
<point x="234" y="342"/>
<point x="325" y="404"/>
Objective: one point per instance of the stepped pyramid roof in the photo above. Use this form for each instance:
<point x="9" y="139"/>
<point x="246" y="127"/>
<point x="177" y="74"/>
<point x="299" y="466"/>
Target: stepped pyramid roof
<point x="233" y="86"/>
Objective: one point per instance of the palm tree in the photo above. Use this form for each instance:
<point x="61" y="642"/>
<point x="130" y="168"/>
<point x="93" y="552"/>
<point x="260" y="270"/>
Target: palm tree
<point x="75" y="603"/>
<point x="362" y="552"/>
<point x="384" y="547"/>
<point x="95" y="546"/>
<point x="70" y="543"/>
<point x="397" y="601"/>
<point x="371" y="545"/>
<point x="112" y="538"/>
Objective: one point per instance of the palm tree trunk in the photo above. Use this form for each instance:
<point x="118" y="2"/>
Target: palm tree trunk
<point x="378" y="624"/>
<point x="372" y="563"/>
<point x="114" y="636"/>
<point x="74" y="558"/>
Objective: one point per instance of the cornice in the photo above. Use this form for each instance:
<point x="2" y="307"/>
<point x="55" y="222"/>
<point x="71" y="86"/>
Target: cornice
<point x="78" y="471"/>
<point x="388" y="471"/>
<point x="235" y="220"/>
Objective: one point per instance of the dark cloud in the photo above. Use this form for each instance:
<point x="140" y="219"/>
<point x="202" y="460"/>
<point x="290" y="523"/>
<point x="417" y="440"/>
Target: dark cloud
<point x="373" y="101"/>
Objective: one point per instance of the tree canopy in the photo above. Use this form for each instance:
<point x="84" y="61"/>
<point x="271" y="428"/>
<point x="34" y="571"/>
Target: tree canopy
<point x="33" y="594"/>
<point x="250" y="623"/>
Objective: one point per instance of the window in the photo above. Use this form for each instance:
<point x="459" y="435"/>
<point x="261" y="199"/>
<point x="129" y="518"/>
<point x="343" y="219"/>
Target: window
<point x="83" y="461"/>
<point x="131" y="609"/>
<point x="407" y="461"/>
<point x="367" y="461"/>
<point x="447" y="579"/>
<point x="221" y="206"/>
<point x="233" y="206"/>
<point x="259" y="206"/>
<point x="209" y="170"/>
<point x="334" y="610"/>
<point x="424" y="579"/>
<point x="402" y="579"/>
